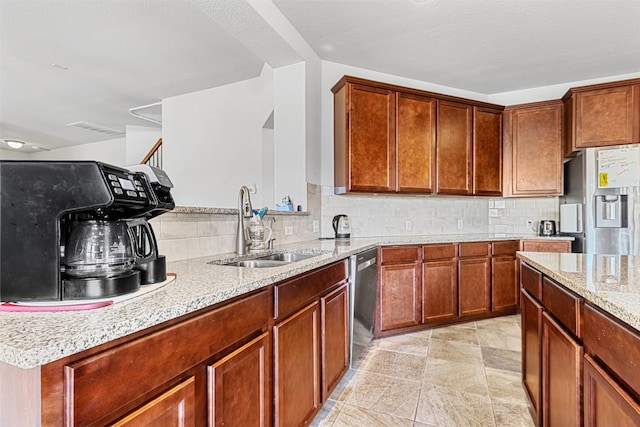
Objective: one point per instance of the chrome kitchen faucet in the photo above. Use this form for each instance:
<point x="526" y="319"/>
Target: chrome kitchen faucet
<point x="245" y="210"/>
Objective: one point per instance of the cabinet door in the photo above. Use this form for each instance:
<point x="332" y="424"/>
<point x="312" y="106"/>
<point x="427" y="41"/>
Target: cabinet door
<point x="504" y="283"/>
<point x="473" y="286"/>
<point x="536" y="144"/>
<point x="400" y="296"/>
<point x="238" y="386"/>
<point x="453" y="147"/>
<point x="297" y="367"/>
<point x="176" y="407"/>
<point x="334" y="315"/>
<point x="416" y="143"/>
<point x="371" y="154"/>
<point x="487" y="152"/>
<point x="607" y="116"/>
<point x="439" y="290"/>
<point x="531" y="318"/>
<point x="561" y="376"/>
<point x="606" y="403"/>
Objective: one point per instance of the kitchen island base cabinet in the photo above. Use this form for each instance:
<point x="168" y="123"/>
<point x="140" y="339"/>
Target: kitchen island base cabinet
<point x="334" y="320"/>
<point x="175" y="407"/>
<point x="297" y="367"/>
<point x="119" y="379"/>
<point x="531" y="318"/>
<point x="239" y="386"/>
<point x="310" y="342"/>
<point x="561" y="376"/>
<point x="605" y="402"/>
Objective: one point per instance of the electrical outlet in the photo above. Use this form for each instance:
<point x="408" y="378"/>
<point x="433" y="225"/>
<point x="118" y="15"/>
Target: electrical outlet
<point x="253" y="188"/>
<point x="530" y="223"/>
<point x="316" y="226"/>
<point x="460" y="224"/>
<point x="407" y="225"/>
<point x="288" y="230"/>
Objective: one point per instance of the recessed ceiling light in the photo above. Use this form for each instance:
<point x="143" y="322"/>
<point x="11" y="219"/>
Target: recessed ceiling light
<point x="14" y="144"/>
<point x="61" y="67"/>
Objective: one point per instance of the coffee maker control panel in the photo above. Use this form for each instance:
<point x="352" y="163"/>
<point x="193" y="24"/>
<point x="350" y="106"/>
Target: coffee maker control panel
<point x="128" y="187"/>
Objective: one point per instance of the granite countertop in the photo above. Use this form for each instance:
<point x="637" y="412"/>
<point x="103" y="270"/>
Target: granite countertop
<point x="28" y="340"/>
<point x="611" y="282"/>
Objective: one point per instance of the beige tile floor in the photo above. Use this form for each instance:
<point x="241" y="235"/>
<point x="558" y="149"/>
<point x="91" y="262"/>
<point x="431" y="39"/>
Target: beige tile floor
<point x="462" y="375"/>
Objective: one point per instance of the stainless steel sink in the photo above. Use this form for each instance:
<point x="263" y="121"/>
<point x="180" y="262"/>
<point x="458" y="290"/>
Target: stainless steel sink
<point x="266" y="261"/>
<point x="288" y="256"/>
<point x="258" y="263"/>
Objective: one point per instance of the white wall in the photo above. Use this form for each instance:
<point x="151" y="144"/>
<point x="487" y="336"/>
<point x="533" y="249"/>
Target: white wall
<point x="111" y="151"/>
<point x="212" y="141"/>
<point x="290" y="134"/>
<point x="140" y="139"/>
<point x="13" y="155"/>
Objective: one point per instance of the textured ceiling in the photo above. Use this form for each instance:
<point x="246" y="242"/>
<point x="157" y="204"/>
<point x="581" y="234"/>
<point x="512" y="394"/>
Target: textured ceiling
<point x="113" y="55"/>
<point x="485" y="46"/>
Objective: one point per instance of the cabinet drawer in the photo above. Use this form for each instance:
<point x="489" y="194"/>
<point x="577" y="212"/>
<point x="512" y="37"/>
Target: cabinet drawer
<point x="546" y="246"/>
<point x="615" y="344"/>
<point x="473" y="249"/>
<point x="509" y="247"/>
<point x="399" y="254"/>
<point x="564" y="305"/>
<point x="531" y="280"/>
<point x="295" y="293"/>
<point x="101" y="384"/>
<point x="434" y="252"/>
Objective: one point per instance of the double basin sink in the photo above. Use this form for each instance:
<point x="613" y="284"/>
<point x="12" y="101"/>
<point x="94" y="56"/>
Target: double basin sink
<point x="266" y="261"/>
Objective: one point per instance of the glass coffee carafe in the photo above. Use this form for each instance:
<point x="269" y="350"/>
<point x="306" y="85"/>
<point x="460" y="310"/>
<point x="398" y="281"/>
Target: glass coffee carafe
<point x="98" y="249"/>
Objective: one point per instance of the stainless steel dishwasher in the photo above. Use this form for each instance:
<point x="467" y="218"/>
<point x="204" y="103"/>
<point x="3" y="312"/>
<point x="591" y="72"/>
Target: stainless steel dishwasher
<point x="364" y="280"/>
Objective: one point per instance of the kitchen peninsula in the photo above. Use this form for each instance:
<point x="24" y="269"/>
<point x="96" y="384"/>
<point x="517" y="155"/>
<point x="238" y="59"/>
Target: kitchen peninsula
<point x="580" y="339"/>
<point x="41" y="351"/>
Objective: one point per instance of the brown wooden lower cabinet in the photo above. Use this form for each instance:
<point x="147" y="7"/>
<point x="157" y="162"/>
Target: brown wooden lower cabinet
<point x="440" y="290"/>
<point x="334" y="321"/>
<point x="505" y="284"/>
<point x="239" y="386"/>
<point x="176" y="407"/>
<point x="400" y="296"/>
<point x="545" y="245"/>
<point x="531" y="318"/>
<point x="561" y="376"/>
<point x="606" y="403"/>
<point x="474" y="279"/>
<point x="297" y="367"/>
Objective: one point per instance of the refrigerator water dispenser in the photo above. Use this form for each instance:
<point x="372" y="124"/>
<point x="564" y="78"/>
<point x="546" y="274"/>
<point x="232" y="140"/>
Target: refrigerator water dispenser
<point x="611" y="211"/>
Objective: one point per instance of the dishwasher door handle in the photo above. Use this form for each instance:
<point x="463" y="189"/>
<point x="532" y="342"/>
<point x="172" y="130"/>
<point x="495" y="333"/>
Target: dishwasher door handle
<point x="366" y="264"/>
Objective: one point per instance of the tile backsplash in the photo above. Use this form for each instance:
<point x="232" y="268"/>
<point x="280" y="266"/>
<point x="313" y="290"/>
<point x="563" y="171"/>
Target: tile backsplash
<point x="382" y="215"/>
<point x="190" y="235"/>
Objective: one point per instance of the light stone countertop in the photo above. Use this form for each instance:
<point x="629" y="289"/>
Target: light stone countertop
<point x="28" y="340"/>
<point x="611" y="282"/>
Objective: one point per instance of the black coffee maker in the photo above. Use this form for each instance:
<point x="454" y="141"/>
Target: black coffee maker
<point x="65" y="231"/>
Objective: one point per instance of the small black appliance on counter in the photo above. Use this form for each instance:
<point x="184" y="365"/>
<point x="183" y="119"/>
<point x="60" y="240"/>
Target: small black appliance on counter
<point x="547" y="228"/>
<point x="77" y="230"/>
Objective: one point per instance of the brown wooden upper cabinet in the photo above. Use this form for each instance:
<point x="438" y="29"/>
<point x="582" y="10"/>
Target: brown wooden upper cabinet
<point x="487" y="152"/>
<point x="385" y="141"/>
<point x="416" y="136"/>
<point x="364" y="134"/>
<point x="602" y="115"/>
<point x="533" y="153"/>
<point x="454" y="150"/>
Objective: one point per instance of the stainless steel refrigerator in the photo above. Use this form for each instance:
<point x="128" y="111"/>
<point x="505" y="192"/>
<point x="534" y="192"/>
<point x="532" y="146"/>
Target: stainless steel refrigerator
<point x="601" y="205"/>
